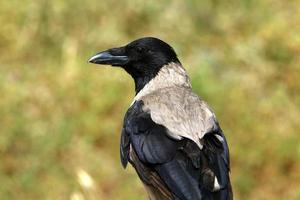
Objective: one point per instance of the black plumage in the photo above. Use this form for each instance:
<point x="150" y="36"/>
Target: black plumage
<point x="170" y="136"/>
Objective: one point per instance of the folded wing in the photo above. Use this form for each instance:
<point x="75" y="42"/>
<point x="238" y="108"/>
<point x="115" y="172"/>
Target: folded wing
<point x="182" y="167"/>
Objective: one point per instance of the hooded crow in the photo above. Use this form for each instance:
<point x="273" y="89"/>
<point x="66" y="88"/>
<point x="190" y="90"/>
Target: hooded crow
<point x="170" y="136"/>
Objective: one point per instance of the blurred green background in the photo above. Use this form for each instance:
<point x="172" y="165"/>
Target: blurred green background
<point x="60" y="117"/>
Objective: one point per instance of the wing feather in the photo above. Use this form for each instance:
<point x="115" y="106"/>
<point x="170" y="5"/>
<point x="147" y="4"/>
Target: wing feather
<point x="179" y="166"/>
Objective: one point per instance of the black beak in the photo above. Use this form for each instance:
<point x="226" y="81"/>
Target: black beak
<point x="114" y="57"/>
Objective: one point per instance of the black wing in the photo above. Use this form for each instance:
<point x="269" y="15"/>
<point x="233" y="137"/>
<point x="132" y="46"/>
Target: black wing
<point x="188" y="172"/>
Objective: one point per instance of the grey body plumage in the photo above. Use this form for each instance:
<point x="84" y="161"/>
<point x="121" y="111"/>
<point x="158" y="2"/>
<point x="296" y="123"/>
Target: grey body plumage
<point x="171" y="102"/>
<point x="170" y="136"/>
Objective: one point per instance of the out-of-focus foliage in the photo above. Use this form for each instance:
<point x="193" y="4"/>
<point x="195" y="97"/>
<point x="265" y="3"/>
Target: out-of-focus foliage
<point x="60" y="117"/>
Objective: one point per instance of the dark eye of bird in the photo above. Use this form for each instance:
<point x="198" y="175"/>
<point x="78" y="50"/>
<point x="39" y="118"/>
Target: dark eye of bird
<point x="140" y="49"/>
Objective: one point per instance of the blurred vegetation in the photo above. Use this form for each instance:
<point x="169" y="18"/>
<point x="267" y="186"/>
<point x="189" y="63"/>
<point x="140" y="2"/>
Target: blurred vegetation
<point x="61" y="117"/>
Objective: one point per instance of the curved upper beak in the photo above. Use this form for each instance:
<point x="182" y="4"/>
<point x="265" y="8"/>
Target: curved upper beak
<point x="114" y="57"/>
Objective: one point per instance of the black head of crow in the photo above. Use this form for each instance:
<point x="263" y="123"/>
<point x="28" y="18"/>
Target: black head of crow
<point x="170" y="136"/>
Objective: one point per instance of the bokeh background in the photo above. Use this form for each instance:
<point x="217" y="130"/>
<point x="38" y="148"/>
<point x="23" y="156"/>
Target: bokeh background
<point x="60" y="117"/>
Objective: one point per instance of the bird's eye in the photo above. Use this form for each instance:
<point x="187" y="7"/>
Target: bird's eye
<point x="140" y="49"/>
<point x="149" y="51"/>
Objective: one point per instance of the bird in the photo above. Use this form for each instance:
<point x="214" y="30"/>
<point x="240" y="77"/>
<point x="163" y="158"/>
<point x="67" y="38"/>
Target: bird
<point x="170" y="135"/>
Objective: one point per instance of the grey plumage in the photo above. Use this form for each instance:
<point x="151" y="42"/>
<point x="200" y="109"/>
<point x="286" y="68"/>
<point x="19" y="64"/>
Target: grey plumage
<point x="171" y="102"/>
